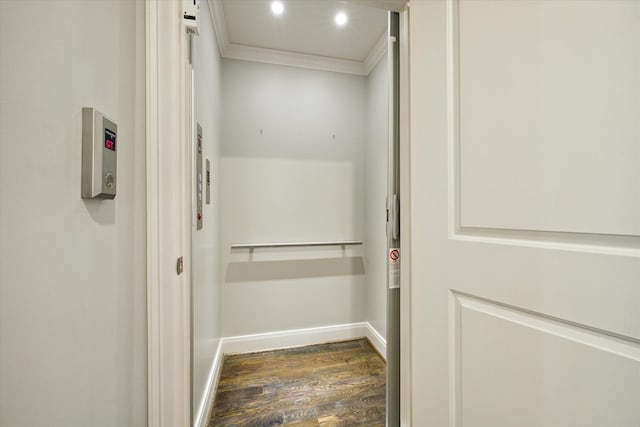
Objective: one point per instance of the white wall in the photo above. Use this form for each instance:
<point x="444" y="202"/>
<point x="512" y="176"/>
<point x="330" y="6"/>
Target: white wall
<point x="292" y="170"/>
<point x="377" y="143"/>
<point x="206" y="242"/>
<point x="72" y="271"/>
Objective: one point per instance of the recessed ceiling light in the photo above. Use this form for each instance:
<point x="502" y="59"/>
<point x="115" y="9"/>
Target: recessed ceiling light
<point x="341" y="19"/>
<point x="277" y="7"/>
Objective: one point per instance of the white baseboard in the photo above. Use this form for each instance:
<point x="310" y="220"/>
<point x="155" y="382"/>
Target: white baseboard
<point x="302" y="337"/>
<point x="201" y="418"/>
<point x="377" y="341"/>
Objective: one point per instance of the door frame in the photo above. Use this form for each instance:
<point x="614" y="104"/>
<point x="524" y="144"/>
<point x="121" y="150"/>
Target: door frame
<point x="168" y="216"/>
<point x="168" y="197"/>
<point x="405" y="221"/>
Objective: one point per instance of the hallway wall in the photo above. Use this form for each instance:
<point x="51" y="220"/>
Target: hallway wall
<point x="292" y="170"/>
<point x="206" y="242"/>
<point x="376" y="190"/>
<point x="72" y="271"/>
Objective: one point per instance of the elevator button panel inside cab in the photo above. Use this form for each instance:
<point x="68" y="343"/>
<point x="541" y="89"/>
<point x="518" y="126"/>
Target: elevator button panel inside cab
<point x="99" y="155"/>
<point x="199" y="178"/>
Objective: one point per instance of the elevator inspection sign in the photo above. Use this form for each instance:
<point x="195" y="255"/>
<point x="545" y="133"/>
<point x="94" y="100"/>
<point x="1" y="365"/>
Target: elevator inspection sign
<point x="393" y="262"/>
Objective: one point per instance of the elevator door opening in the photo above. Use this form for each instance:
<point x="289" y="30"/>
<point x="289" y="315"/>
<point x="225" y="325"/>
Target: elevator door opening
<point x="305" y="196"/>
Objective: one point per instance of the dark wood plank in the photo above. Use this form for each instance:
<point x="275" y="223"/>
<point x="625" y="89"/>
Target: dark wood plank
<point x="328" y="385"/>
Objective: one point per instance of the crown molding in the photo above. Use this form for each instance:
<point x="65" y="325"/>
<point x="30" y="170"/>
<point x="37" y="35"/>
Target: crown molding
<point x="392" y="5"/>
<point x="292" y="59"/>
<point x="377" y="52"/>
<point x="219" y="22"/>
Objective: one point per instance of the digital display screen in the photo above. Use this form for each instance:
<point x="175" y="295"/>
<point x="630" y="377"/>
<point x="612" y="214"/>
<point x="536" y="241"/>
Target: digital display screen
<point x="109" y="140"/>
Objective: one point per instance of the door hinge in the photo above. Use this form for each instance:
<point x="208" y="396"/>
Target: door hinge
<point x="180" y="266"/>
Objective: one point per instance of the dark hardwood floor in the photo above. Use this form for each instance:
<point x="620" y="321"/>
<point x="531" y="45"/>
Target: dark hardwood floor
<point x="328" y="385"/>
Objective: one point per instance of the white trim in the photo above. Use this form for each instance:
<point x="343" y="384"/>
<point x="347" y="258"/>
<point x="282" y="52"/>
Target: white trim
<point x="292" y="59"/>
<point x="405" y="219"/>
<point x="154" y="363"/>
<point x="187" y="130"/>
<point x="216" y="12"/>
<point x="201" y="418"/>
<point x="167" y="293"/>
<point x="392" y="5"/>
<point x="301" y="337"/>
<point x="377" y="340"/>
<point x="377" y="52"/>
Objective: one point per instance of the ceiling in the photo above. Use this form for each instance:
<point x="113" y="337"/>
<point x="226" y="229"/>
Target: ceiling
<point x="305" y="35"/>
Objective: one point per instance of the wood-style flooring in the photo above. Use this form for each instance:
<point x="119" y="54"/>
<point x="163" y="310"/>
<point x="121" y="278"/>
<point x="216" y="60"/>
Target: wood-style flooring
<point x="329" y="385"/>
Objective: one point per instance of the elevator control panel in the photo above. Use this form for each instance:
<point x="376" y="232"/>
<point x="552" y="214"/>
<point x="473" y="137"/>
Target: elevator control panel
<point x="199" y="180"/>
<point x="208" y="163"/>
<point x="99" y="155"/>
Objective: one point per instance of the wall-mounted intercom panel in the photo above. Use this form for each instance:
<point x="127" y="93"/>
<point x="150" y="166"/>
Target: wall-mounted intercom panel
<point x="99" y="155"/>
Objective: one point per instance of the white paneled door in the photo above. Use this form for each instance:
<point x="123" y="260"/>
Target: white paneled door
<point x="525" y="213"/>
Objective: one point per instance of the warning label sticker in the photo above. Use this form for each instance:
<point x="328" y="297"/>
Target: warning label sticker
<point x="394" y="268"/>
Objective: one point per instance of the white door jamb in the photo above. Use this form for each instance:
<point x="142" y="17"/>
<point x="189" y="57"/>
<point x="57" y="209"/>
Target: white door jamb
<point x="167" y="202"/>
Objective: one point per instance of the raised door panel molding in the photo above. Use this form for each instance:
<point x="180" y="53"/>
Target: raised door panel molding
<point x="516" y="367"/>
<point x="558" y="108"/>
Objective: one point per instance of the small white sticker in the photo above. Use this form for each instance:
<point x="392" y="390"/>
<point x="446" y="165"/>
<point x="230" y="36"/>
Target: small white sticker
<point x="394" y="268"/>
